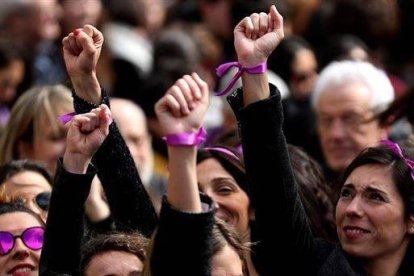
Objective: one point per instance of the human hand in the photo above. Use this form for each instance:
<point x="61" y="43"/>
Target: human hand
<point x="256" y="36"/>
<point x="183" y="107"/>
<point x="81" y="51"/>
<point x="86" y="134"/>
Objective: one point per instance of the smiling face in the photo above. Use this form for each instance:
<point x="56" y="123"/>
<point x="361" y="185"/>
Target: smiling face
<point x="21" y="260"/>
<point x="370" y="215"/>
<point x="232" y="202"/>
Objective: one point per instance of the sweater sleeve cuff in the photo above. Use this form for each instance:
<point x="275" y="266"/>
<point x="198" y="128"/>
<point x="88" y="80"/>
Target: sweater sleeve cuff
<point x="82" y="106"/>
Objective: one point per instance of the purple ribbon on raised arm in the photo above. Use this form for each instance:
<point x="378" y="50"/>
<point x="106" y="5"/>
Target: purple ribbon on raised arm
<point x="186" y="138"/>
<point x="397" y="150"/>
<point x="224" y="68"/>
<point x="65" y="118"/>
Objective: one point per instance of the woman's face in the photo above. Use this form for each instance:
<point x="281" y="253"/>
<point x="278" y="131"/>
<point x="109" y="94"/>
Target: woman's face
<point x="21" y="260"/>
<point x="304" y="73"/>
<point x="233" y="204"/>
<point x="370" y="215"/>
<point x="226" y="262"/>
<point x="47" y="145"/>
<point x="28" y="185"/>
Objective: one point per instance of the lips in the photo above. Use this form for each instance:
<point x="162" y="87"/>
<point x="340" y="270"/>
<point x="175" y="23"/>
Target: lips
<point x="21" y="270"/>
<point x="354" y="232"/>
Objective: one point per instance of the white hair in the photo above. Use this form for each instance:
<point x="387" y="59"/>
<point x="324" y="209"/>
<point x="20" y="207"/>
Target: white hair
<point x="344" y="72"/>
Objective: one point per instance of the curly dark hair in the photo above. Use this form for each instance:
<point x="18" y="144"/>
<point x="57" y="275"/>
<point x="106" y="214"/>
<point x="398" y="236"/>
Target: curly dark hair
<point x="134" y="243"/>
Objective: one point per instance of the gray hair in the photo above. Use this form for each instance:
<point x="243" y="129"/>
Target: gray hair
<point x="344" y="72"/>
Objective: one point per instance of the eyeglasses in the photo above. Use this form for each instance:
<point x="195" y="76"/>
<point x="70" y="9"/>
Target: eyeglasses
<point x="350" y="121"/>
<point x="42" y="200"/>
<point x="31" y="237"/>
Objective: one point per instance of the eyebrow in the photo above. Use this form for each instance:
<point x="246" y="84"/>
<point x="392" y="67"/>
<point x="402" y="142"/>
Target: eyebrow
<point x="132" y="273"/>
<point x="369" y="188"/>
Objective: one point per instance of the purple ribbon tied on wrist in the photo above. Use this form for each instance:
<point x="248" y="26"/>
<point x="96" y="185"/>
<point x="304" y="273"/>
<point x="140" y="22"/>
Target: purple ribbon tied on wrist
<point x="186" y="138"/>
<point x="225" y="67"/>
<point x="397" y="150"/>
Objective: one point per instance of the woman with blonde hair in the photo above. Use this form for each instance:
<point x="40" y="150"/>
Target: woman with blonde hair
<point x="34" y="131"/>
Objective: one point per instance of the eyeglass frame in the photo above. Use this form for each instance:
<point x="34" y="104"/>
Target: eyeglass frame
<point x="21" y="237"/>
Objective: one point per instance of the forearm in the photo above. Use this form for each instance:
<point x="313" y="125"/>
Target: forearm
<point x="182" y="190"/>
<point x="255" y="87"/>
<point x="130" y="204"/>
<point x="75" y="163"/>
<point x="88" y="88"/>
<point x="268" y="169"/>
<point x="65" y="224"/>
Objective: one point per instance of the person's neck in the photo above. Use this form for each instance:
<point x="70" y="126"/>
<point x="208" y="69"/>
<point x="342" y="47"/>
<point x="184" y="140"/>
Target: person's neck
<point x="388" y="265"/>
<point x="249" y="262"/>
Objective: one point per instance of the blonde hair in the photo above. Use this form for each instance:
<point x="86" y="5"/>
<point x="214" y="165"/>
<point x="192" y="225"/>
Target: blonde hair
<point x="32" y="108"/>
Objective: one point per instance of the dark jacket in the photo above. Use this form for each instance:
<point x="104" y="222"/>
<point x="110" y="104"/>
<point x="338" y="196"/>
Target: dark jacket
<point x="130" y="205"/>
<point x="275" y="196"/>
<point x="182" y="244"/>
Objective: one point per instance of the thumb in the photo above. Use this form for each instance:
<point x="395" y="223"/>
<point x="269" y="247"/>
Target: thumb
<point x="105" y="118"/>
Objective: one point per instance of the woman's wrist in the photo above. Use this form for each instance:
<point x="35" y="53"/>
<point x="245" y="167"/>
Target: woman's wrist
<point x="87" y="88"/>
<point x="186" y="139"/>
<point x="76" y="163"/>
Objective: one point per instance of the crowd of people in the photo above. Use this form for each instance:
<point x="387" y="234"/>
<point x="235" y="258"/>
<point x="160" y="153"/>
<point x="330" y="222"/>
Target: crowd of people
<point x="118" y="158"/>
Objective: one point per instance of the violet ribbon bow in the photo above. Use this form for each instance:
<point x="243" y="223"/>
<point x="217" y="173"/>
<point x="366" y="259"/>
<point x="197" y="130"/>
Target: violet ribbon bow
<point x="397" y="150"/>
<point x="225" y="67"/>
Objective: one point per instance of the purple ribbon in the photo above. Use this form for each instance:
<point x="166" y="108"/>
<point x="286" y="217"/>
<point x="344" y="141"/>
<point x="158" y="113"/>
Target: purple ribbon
<point x="186" y="138"/>
<point x="223" y="150"/>
<point x="397" y="150"/>
<point x="225" y="67"/>
<point x="65" y="118"/>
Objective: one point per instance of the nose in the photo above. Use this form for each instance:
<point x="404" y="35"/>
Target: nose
<point x="337" y="129"/>
<point x="211" y="195"/>
<point x="354" y="208"/>
<point x="20" y="251"/>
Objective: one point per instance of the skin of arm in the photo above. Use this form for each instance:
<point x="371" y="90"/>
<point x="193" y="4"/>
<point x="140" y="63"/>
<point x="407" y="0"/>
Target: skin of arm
<point x="183" y="109"/>
<point x="130" y="205"/>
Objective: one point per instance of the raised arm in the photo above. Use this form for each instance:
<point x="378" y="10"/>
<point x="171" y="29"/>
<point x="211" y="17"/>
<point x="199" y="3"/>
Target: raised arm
<point x="65" y="228"/>
<point x="130" y="205"/>
<point x="275" y="195"/>
<point x="182" y="243"/>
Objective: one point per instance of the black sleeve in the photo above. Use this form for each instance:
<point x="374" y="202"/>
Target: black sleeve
<point x="281" y="222"/>
<point x="65" y="223"/>
<point x="130" y="205"/>
<point x="182" y="244"/>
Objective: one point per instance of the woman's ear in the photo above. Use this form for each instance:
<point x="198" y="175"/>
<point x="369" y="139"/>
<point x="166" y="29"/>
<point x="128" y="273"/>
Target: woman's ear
<point x="411" y="224"/>
<point x="24" y="150"/>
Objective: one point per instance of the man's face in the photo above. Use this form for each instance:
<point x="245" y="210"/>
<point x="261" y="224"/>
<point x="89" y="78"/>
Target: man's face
<point x="133" y="128"/>
<point x="345" y="125"/>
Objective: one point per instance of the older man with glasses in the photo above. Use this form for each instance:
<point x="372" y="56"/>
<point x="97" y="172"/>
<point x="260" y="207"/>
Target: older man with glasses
<point x="347" y="97"/>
